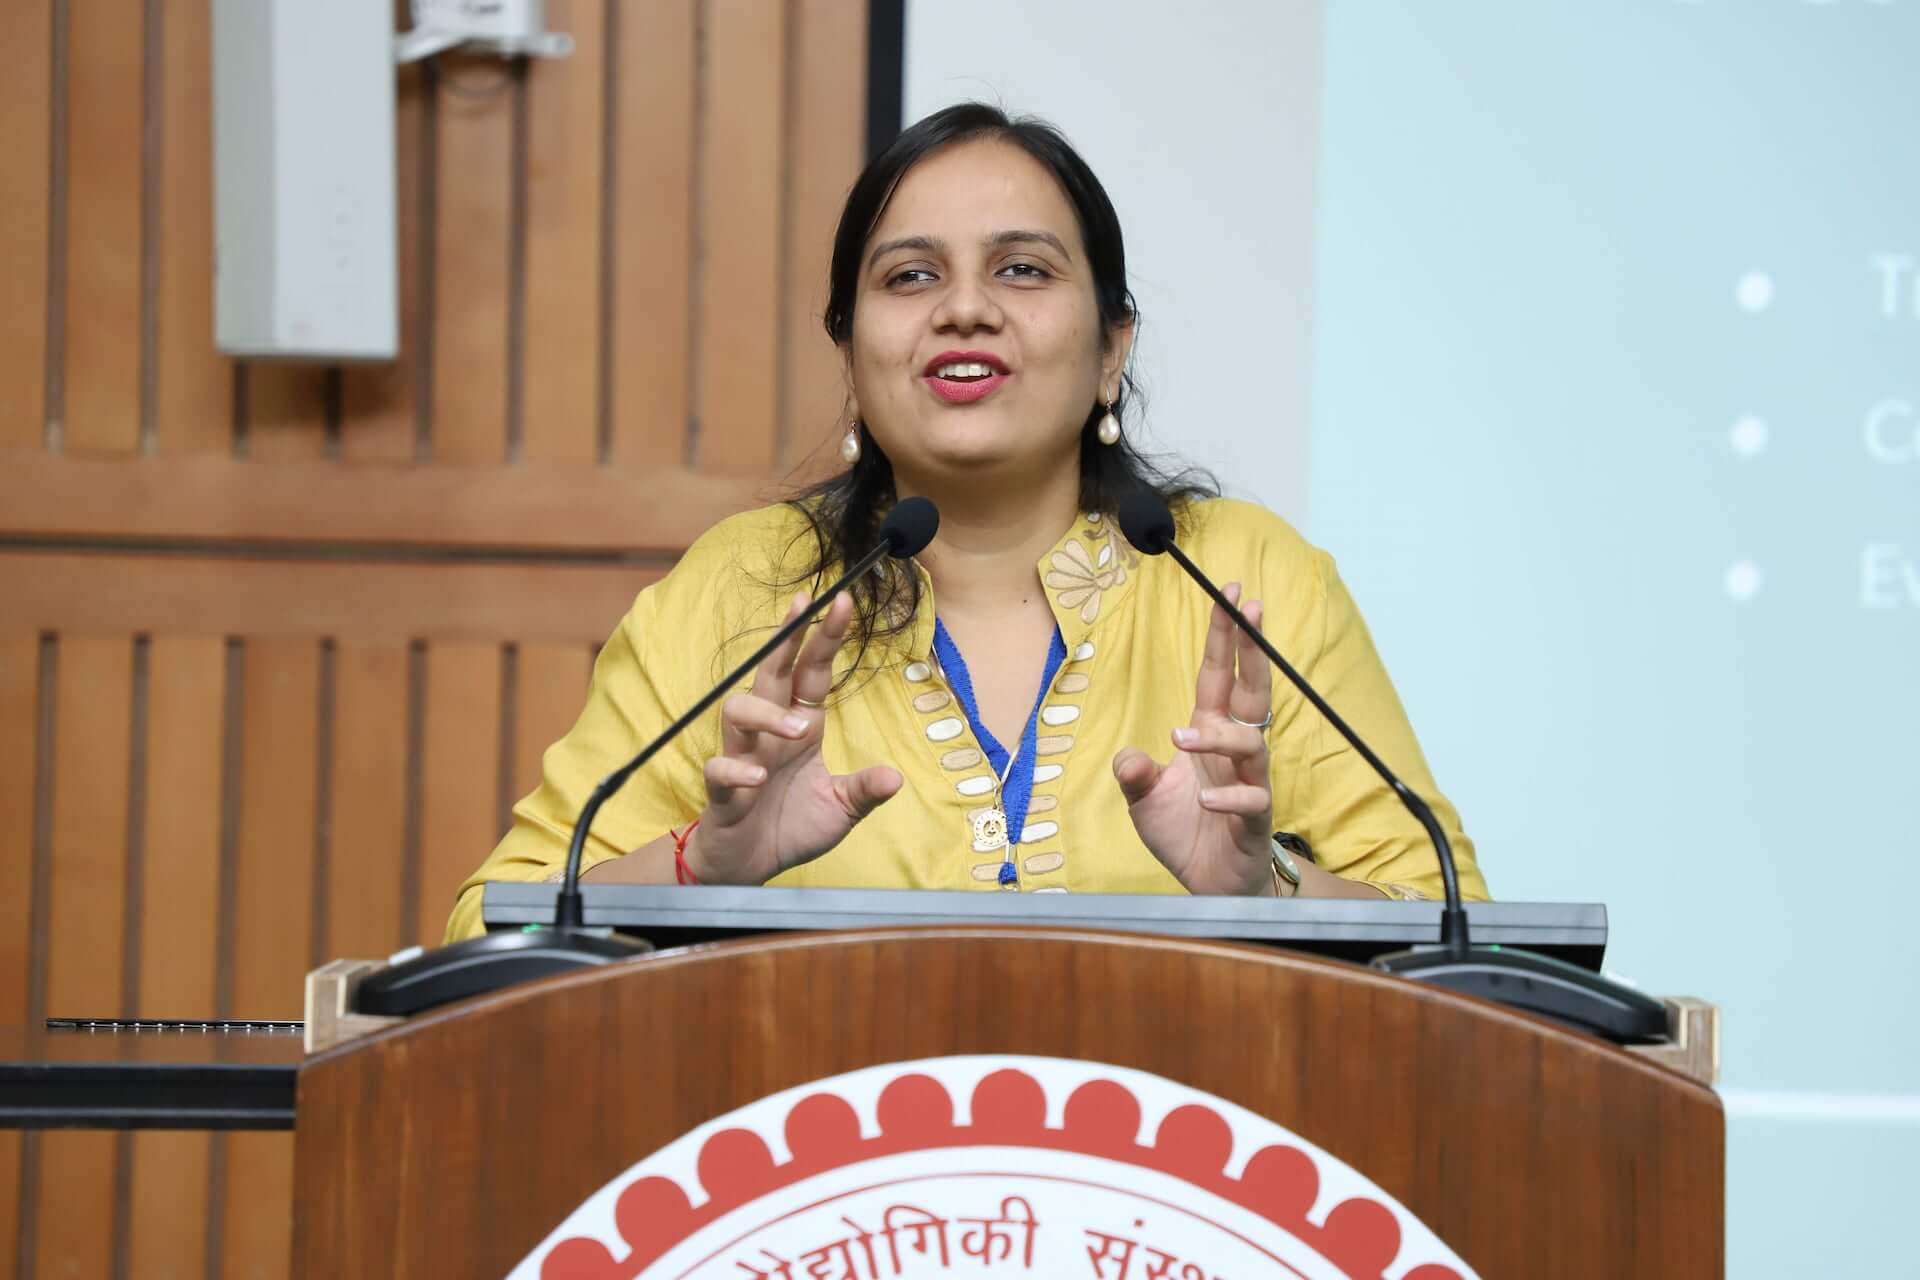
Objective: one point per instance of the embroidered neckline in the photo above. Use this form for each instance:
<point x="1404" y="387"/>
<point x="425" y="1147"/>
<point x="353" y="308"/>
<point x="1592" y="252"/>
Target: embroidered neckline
<point x="1085" y="575"/>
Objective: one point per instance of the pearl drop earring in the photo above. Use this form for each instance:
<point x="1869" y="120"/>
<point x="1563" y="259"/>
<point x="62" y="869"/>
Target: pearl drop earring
<point x="850" y="443"/>
<point x="1109" y="430"/>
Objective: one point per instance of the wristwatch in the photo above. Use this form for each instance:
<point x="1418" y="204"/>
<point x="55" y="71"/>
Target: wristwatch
<point x="1284" y="867"/>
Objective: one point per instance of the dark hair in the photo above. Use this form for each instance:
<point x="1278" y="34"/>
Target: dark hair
<point x="844" y="511"/>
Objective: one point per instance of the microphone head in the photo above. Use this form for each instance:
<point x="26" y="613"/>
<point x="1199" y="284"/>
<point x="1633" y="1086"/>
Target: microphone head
<point x="1147" y="521"/>
<point x="909" y="527"/>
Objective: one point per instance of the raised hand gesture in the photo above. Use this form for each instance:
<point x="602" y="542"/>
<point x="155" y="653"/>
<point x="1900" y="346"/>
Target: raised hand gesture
<point x="1208" y="813"/>
<point x="771" y="804"/>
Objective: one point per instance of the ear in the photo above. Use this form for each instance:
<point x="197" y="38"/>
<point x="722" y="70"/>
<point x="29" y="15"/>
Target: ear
<point x="1113" y="361"/>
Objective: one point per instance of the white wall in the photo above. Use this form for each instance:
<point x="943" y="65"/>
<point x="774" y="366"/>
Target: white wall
<point x="1201" y="120"/>
<point x="1535" y="357"/>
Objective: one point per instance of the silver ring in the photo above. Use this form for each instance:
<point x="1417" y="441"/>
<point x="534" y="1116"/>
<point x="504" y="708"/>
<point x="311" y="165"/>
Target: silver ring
<point x="799" y="701"/>
<point x="1248" y="724"/>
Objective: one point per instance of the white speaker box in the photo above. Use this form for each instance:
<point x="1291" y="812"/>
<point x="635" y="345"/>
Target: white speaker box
<point x="305" y="255"/>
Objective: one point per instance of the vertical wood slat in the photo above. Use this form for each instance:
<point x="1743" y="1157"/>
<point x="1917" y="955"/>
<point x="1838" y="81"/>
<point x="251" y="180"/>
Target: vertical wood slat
<point x="367" y="819"/>
<point x="548" y="694"/>
<point x="273" y="908"/>
<point x="258" y="1216"/>
<point x="459" y="774"/>
<point x="19" y="733"/>
<point x="105" y="107"/>
<point x="823" y="146"/>
<point x="473" y="195"/>
<point x="74" y="1226"/>
<point x="653" y="178"/>
<point x="286" y="412"/>
<point x="741" y="163"/>
<point x="380" y="402"/>
<point x="180" y="907"/>
<point x="92" y="736"/>
<point x="26" y="105"/>
<point x="561" y="355"/>
<point x="278" y="814"/>
<point x="194" y="396"/>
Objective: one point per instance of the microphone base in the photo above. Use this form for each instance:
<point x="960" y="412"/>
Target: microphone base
<point x="1537" y="984"/>
<point x="481" y="965"/>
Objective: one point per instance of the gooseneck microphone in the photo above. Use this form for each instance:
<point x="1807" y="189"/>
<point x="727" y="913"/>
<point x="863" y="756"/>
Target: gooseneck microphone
<point x="478" y="965"/>
<point x="1524" y="979"/>
<point x="1148" y="523"/>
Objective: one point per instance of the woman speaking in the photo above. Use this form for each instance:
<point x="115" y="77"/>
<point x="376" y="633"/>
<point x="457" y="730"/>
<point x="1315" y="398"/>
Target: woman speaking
<point x="1028" y="705"/>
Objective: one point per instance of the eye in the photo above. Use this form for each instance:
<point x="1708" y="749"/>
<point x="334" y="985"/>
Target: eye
<point x="1025" y="271"/>
<point x="912" y="275"/>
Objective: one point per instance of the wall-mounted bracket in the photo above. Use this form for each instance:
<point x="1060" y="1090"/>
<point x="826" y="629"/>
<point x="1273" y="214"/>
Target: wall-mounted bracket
<point x="509" y="28"/>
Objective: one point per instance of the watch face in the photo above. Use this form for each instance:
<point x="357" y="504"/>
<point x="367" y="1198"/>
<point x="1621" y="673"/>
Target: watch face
<point x="1284" y="864"/>
<point x="1293" y="844"/>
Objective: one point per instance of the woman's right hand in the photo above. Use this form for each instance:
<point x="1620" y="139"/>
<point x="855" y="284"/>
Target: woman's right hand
<point x="771" y="804"/>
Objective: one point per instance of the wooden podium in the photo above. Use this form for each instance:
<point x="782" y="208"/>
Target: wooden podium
<point x="452" y="1144"/>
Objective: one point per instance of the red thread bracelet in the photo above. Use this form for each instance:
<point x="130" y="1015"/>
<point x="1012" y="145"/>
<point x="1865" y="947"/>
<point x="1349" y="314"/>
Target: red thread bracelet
<point x="682" y="873"/>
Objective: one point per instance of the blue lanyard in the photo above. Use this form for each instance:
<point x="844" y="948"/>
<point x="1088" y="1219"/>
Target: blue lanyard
<point x="1017" y="790"/>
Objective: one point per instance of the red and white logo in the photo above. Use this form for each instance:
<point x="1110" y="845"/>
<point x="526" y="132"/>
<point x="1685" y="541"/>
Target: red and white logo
<point x="1001" y="1165"/>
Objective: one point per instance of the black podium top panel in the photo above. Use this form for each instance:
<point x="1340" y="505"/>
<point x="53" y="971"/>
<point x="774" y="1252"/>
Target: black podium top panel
<point x="147" y="1079"/>
<point x="1346" y="928"/>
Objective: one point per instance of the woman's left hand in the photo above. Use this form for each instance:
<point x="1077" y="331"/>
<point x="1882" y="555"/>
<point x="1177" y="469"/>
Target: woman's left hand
<point x="1207" y="814"/>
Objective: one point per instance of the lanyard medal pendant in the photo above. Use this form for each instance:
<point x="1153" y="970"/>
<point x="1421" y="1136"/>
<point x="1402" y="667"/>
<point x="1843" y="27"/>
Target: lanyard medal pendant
<point x="992" y="825"/>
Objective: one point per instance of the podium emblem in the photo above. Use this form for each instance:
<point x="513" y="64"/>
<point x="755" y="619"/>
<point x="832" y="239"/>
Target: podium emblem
<point x="996" y="1165"/>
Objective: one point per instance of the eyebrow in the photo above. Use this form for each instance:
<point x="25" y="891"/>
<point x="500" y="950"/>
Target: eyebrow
<point x="999" y="239"/>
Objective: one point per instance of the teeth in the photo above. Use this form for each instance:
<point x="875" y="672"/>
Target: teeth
<point x="974" y="370"/>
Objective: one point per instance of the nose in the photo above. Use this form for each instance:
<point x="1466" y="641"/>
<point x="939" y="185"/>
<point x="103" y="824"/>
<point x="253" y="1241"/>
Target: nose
<point x="967" y="305"/>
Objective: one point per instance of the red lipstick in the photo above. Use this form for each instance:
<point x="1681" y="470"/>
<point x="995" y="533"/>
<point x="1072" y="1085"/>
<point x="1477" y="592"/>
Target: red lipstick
<point x="965" y="390"/>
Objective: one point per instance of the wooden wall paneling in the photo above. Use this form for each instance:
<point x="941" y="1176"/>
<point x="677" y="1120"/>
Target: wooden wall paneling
<point x="74" y="1229"/>
<point x="566" y="131"/>
<point x="281" y="733"/>
<point x="823" y="145"/>
<point x="26" y="107"/>
<point x="366" y="873"/>
<point x="742" y="167"/>
<point x="281" y="728"/>
<point x="550" y="688"/>
<point x="12" y="1157"/>
<point x="179" y="929"/>
<point x="93" y="703"/>
<point x="367" y="856"/>
<point x="562" y="509"/>
<point x="102" y="315"/>
<point x="257" y="1219"/>
<point x="193" y="410"/>
<point x="651" y="124"/>
<point x="380" y="409"/>
<point x="604" y="330"/>
<point x="19" y="747"/>
<point x="473" y="197"/>
<point x="460" y="774"/>
<point x="286" y="411"/>
<point x="575" y="603"/>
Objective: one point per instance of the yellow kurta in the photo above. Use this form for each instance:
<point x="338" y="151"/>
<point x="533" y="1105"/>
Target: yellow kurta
<point x="1134" y="629"/>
